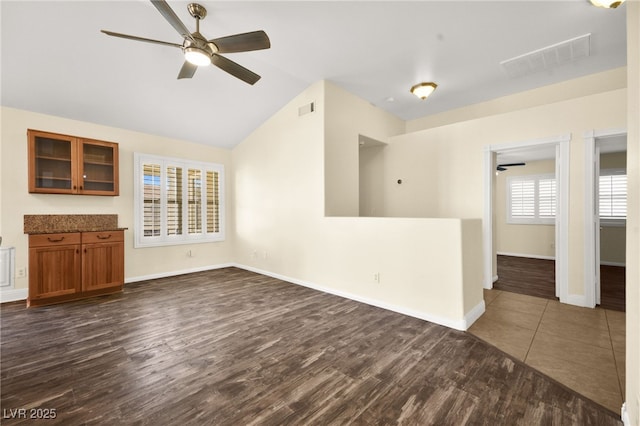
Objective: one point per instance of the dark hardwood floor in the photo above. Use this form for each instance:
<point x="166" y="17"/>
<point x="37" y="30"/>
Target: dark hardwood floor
<point x="524" y="275"/>
<point x="612" y="287"/>
<point x="536" y="277"/>
<point x="230" y="347"/>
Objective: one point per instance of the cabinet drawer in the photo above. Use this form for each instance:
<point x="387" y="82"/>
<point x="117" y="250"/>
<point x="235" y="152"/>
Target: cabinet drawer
<point x="102" y="237"/>
<point x="62" y="239"/>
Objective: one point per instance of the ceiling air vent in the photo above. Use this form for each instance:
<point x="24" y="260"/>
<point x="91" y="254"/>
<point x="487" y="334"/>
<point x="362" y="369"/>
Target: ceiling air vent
<point x="548" y="57"/>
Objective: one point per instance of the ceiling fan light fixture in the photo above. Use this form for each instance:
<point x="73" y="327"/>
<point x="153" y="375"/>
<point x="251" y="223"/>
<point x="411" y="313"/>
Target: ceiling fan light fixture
<point x="197" y="56"/>
<point x="423" y="90"/>
<point x="607" y="4"/>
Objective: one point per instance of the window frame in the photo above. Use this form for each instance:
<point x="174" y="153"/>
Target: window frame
<point x="536" y="219"/>
<point x="164" y="239"/>
<point x="607" y="220"/>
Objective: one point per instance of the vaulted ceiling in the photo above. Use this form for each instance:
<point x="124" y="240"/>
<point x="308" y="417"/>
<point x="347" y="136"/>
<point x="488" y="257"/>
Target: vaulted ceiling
<point x="56" y="61"/>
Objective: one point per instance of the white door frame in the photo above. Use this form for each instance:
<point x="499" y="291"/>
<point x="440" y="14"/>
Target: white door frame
<point x="591" y="219"/>
<point x="561" y="143"/>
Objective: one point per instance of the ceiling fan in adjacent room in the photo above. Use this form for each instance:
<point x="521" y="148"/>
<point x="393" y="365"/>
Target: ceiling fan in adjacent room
<point x="198" y="51"/>
<point x="503" y="167"/>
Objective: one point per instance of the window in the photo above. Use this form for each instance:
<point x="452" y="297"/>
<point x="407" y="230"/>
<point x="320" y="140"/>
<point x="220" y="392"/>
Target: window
<point x="177" y="201"/>
<point x="531" y="199"/>
<point x="612" y="193"/>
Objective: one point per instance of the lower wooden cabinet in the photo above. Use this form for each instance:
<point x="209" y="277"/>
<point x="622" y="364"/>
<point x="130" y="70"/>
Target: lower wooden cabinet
<point x="75" y="265"/>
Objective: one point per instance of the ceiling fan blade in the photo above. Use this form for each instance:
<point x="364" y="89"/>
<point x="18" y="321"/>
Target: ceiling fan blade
<point x="235" y="69"/>
<point x="148" y="40"/>
<point x="187" y="70"/>
<point x="256" y="40"/>
<point x="172" y="18"/>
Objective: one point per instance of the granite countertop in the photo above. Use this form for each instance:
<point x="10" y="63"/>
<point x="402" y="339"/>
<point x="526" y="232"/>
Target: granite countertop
<point x="54" y="224"/>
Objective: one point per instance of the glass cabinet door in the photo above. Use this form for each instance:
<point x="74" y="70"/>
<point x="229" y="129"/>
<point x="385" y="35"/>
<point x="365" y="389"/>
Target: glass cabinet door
<point x="99" y="168"/>
<point x="51" y="163"/>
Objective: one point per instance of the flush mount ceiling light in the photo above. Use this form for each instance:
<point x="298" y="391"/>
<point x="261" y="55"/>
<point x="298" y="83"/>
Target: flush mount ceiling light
<point x="423" y="90"/>
<point x="608" y="4"/>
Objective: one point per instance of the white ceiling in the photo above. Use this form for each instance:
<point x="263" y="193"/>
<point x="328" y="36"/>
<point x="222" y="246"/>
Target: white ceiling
<point x="56" y="61"/>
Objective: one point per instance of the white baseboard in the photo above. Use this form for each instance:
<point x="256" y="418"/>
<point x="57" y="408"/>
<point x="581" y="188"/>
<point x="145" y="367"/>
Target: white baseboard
<point x="624" y="415"/>
<point x="495" y="278"/>
<point x="473" y="315"/>
<point x="531" y="256"/>
<point x="174" y="273"/>
<point x="462" y="324"/>
<point x="576" y="300"/>
<point x="622" y="264"/>
<point x="14" y="295"/>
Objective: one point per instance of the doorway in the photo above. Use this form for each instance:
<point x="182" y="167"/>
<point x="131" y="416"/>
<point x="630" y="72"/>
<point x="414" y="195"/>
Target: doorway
<point x="559" y="146"/>
<point x="605" y="218"/>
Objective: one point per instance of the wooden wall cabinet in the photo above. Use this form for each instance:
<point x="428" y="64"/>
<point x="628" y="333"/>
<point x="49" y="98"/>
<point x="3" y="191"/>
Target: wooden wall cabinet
<point x="74" y="265"/>
<point x="62" y="164"/>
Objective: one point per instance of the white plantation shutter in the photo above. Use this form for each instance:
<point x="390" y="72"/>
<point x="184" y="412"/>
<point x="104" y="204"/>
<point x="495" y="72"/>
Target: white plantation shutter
<point x="195" y="201"/>
<point x="522" y="198"/>
<point x="547" y="198"/>
<point x="613" y="196"/>
<point x="213" y="202"/>
<point x="177" y="201"/>
<point x="174" y="200"/>
<point x="531" y="199"/>
<point x="151" y="200"/>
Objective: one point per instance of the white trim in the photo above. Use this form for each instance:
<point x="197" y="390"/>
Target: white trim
<point x="473" y="315"/>
<point x="562" y="143"/>
<point x="576" y="300"/>
<point x="14" y="295"/>
<point x="532" y="256"/>
<point x="174" y="273"/>
<point x="462" y="324"/>
<point x="621" y="264"/>
<point x="624" y="415"/>
<point x="495" y="278"/>
<point x="487" y="217"/>
<point x="562" y="220"/>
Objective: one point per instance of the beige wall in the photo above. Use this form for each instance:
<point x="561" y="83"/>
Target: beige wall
<point x="347" y="118"/>
<point x="282" y="229"/>
<point x="632" y="395"/>
<point x="371" y="159"/>
<point x="445" y="164"/>
<point x="525" y="240"/>
<point x="588" y="85"/>
<point x="16" y="201"/>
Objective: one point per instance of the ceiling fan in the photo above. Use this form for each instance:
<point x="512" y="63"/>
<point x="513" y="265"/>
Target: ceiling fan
<point x="503" y="167"/>
<point x="198" y="51"/>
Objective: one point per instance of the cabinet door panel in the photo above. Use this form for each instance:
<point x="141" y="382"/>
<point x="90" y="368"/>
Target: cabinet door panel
<point x="54" y="271"/>
<point x="98" y="167"/>
<point x="103" y="265"/>
<point x="51" y="162"/>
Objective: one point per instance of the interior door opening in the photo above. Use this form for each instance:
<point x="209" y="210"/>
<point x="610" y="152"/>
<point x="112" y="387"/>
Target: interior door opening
<point x="554" y="151"/>
<point x="610" y="221"/>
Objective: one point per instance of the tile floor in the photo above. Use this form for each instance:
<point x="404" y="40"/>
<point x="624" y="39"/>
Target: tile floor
<point x="582" y="348"/>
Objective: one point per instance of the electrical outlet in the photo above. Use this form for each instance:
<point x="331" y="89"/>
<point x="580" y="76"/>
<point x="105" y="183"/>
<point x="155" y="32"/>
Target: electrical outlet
<point x="376" y="277"/>
<point x="21" y="272"/>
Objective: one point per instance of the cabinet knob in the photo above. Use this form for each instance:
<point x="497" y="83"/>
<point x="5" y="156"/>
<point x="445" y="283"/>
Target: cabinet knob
<point x="74" y="187"/>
